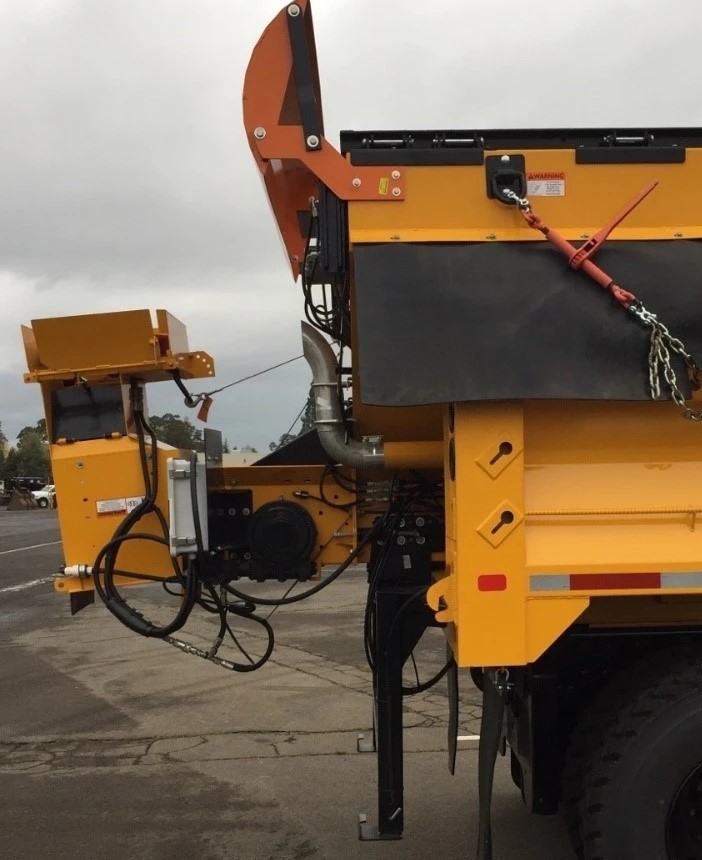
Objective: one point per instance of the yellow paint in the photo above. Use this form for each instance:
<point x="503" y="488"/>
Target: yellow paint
<point x="450" y="204"/>
<point x="618" y="483"/>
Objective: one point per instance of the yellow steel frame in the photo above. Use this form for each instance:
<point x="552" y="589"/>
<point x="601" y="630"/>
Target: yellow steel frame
<point x="125" y="347"/>
<point x="450" y="204"/>
<point x="610" y="488"/>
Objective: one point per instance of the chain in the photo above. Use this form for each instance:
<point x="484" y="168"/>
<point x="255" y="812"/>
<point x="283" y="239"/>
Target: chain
<point x="522" y="202"/>
<point x="662" y="344"/>
<point x="660" y="365"/>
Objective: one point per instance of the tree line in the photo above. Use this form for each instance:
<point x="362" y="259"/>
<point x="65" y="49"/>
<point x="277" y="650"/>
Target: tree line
<point x="29" y="457"/>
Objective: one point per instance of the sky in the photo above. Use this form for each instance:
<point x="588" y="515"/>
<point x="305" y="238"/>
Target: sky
<point x="126" y="180"/>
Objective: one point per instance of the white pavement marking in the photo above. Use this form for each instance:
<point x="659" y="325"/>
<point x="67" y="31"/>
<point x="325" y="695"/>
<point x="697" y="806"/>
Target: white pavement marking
<point x="24" y="585"/>
<point x="25" y="548"/>
<point x="468" y="738"/>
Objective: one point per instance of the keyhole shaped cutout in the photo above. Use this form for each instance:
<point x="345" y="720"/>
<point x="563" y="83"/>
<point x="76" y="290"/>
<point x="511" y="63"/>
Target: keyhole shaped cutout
<point x="504" y="450"/>
<point x="506" y="517"/>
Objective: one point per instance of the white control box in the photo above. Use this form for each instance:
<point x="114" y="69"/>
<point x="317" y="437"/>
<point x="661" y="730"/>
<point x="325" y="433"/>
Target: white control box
<point x="182" y="537"/>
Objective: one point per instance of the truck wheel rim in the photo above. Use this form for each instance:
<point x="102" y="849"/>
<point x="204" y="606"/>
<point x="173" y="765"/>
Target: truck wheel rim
<point x="684" y="830"/>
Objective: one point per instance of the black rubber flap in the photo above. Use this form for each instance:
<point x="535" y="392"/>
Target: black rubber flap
<point x="439" y="323"/>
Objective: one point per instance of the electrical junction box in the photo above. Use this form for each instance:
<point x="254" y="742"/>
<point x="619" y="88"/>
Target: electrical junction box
<point x="182" y="540"/>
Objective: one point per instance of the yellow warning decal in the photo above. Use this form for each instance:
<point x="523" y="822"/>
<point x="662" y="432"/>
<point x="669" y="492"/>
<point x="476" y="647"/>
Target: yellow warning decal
<point x="384" y="185"/>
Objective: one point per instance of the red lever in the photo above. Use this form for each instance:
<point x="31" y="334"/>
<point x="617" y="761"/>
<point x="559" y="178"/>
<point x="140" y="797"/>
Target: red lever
<point x="593" y="245"/>
<point x="580" y="257"/>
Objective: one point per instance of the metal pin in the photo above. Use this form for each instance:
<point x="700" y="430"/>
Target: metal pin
<point x="293" y="10"/>
<point x="356" y="182"/>
<point x="396" y="192"/>
<point x="259" y="133"/>
<point x="313" y="141"/>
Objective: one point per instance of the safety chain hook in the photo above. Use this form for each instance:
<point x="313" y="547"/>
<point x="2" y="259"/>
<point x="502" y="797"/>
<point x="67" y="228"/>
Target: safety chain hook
<point x="660" y="365"/>
<point x="662" y="342"/>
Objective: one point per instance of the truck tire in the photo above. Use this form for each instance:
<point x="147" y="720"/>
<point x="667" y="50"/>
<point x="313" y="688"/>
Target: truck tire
<point x="632" y="786"/>
<point x="43" y="503"/>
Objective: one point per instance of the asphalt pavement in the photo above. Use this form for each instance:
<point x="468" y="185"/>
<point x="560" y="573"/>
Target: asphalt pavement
<point x="118" y="747"/>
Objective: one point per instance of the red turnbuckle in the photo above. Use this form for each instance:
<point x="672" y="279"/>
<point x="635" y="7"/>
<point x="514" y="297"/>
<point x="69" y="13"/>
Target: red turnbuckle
<point x="579" y="258"/>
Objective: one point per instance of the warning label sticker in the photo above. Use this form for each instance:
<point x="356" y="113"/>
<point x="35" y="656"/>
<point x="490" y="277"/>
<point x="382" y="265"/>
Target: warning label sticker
<point x="133" y="502"/>
<point x="546" y="184"/>
<point x="111" y="506"/>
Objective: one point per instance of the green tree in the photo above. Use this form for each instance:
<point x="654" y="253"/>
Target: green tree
<point x="38" y="429"/>
<point x="177" y="431"/>
<point x="12" y="465"/>
<point x="32" y="454"/>
<point x="225" y="447"/>
<point x="309" y="413"/>
<point x="3" y="438"/>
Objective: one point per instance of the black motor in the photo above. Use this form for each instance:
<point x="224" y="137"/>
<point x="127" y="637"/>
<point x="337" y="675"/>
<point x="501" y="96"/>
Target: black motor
<point x="282" y="536"/>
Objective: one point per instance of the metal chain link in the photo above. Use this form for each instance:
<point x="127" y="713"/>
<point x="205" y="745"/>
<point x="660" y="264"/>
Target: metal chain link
<point x="660" y="366"/>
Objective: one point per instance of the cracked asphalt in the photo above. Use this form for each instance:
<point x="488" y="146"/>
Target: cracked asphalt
<point x="116" y="746"/>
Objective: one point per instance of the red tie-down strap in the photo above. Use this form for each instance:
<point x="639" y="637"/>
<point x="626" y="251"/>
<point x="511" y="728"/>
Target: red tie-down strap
<point x="661" y="372"/>
<point x="579" y="258"/>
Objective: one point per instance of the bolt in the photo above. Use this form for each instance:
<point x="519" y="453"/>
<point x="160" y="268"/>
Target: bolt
<point x="421" y="539"/>
<point x="245" y="511"/>
<point x="356" y="182"/>
<point x="420" y="522"/>
<point x="395" y="174"/>
<point x="505" y="159"/>
<point x="402" y="540"/>
<point x="396" y="192"/>
<point x="293" y="10"/>
<point x="295" y="258"/>
<point x="259" y="133"/>
<point x="247" y="556"/>
<point x="313" y="141"/>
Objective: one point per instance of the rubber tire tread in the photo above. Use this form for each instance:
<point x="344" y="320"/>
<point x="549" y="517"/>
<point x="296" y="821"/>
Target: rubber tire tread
<point x="609" y="726"/>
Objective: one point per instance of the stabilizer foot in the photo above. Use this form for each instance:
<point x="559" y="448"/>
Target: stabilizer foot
<point x="370" y="833"/>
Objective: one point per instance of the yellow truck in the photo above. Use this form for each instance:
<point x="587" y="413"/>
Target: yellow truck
<point x="503" y="329"/>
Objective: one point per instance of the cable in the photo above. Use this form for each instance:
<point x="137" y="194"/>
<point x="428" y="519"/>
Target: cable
<point x="104" y="579"/>
<point x="192" y="400"/>
<point x="427" y="685"/>
<point x="286" y="601"/>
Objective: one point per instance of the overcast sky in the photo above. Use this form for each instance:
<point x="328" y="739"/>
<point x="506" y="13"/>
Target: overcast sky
<point x="126" y="180"/>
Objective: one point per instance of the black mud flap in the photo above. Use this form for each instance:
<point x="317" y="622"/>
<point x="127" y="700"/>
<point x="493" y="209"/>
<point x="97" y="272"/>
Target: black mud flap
<point x="450" y="322"/>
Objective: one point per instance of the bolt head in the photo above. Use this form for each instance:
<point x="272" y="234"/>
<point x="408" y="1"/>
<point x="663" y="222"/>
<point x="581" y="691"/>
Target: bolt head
<point x="504" y="159"/>
<point x="293" y="10"/>
<point x="356" y="182"/>
<point x="313" y="141"/>
<point x="259" y="133"/>
<point x="395" y="174"/>
<point x="396" y="192"/>
<point x="402" y="540"/>
<point x="421" y="540"/>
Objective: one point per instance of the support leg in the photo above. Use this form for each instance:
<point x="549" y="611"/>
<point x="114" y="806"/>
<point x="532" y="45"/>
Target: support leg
<point x="400" y="620"/>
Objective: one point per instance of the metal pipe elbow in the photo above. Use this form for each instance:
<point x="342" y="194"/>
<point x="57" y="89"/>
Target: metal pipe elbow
<point x="328" y="420"/>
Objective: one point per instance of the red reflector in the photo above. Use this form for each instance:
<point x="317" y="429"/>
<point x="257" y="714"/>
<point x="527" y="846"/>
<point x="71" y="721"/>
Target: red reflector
<point x="492" y="582"/>
<point x="612" y="581"/>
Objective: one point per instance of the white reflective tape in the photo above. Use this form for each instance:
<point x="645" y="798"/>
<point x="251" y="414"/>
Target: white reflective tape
<point x="691" y="579"/>
<point x="550" y="582"/>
